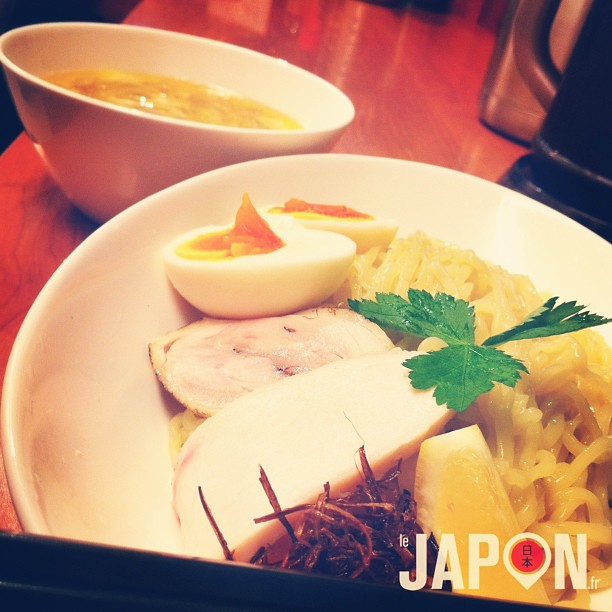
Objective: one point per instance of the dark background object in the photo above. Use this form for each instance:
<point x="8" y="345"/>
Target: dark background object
<point x="520" y="177"/>
<point x="573" y="150"/>
<point x="571" y="164"/>
<point x="16" y="13"/>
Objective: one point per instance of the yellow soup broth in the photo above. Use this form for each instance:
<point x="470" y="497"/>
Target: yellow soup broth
<point x="172" y="97"/>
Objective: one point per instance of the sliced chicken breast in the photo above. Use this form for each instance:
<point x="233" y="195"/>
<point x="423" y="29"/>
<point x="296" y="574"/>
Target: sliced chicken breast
<point x="211" y="362"/>
<point x="303" y="431"/>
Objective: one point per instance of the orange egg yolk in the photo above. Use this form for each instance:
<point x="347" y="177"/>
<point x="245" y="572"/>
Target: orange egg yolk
<point x="250" y="235"/>
<point x="306" y="210"/>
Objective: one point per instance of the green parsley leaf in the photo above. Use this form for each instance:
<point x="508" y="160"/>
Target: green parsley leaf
<point x="549" y="320"/>
<point x="422" y="315"/>
<point x="462" y="372"/>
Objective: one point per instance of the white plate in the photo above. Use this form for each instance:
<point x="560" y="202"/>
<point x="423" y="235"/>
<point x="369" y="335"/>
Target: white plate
<point x="84" y="420"/>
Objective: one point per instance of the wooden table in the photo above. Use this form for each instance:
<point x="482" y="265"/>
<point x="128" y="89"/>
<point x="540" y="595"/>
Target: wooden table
<point x="414" y="76"/>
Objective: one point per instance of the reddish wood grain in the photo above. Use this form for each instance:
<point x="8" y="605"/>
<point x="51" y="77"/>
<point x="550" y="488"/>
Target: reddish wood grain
<point x="39" y="229"/>
<point x="413" y="76"/>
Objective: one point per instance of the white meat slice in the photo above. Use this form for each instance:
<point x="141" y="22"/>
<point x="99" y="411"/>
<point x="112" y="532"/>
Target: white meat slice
<point x="211" y="362"/>
<point x="303" y="431"/>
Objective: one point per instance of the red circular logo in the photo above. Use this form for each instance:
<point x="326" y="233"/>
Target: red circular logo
<point x="527" y="556"/>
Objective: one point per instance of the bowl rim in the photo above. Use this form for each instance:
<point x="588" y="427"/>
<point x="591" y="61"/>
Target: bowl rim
<point x="151" y="204"/>
<point x="125" y="29"/>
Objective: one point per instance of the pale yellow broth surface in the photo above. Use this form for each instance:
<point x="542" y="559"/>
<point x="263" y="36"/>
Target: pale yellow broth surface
<point x="177" y="98"/>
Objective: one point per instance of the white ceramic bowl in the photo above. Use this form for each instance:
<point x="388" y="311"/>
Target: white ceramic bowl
<point x="106" y="158"/>
<point x="84" y="420"/>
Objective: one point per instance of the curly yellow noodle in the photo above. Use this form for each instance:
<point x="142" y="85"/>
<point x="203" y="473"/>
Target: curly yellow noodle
<point x="550" y="436"/>
<point x="599" y="450"/>
<point x="567" y="501"/>
<point x="553" y="431"/>
<point x="181" y="427"/>
<point x="571" y="442"/>
<point x="597" y="534"/>
<point x="543" y="468"/>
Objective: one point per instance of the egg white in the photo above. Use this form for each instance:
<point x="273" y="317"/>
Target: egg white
<point x="301" y="274"/>
<point x="366" y="233"/>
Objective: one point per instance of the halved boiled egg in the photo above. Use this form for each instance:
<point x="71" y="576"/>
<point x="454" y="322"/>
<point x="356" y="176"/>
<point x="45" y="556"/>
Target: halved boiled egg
<point x="254" y="268"/>
<point x="364" y="229"/>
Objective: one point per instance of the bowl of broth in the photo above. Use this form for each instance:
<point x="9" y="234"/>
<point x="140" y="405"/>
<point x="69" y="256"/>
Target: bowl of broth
<point x="118" y="112"/>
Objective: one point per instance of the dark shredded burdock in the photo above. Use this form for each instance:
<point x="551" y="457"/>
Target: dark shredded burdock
<point x="359" y="535"/>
